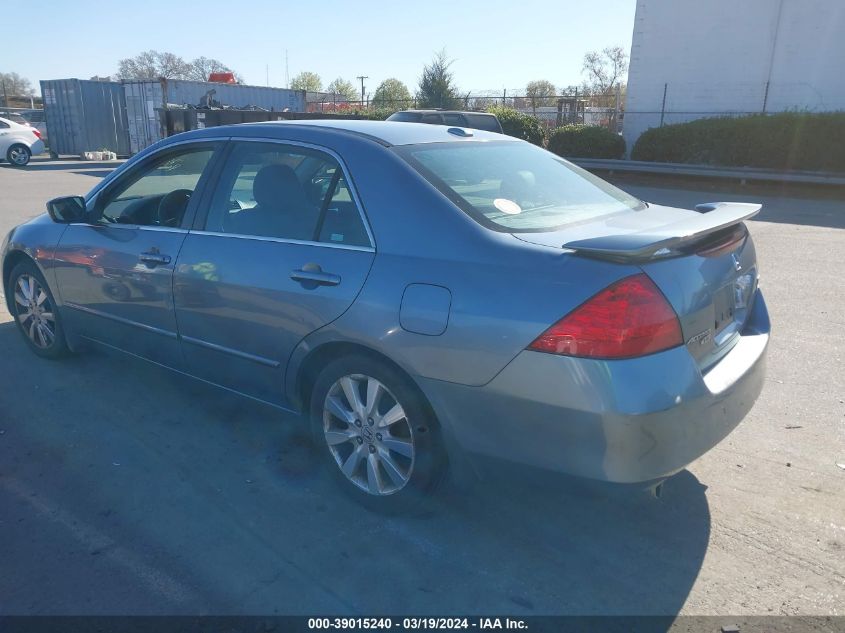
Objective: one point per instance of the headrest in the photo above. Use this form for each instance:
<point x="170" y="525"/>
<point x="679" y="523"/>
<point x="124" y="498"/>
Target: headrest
<point x="277" y="186"/>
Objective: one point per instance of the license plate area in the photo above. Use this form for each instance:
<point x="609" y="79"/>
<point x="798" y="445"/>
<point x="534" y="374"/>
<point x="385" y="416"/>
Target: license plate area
<point x="724" y="308"/>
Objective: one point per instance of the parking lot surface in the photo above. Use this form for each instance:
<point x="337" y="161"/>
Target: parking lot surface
<point x="127" y="489"/>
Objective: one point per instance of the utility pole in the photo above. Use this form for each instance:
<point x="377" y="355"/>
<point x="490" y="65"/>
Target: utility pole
<point x="362" y="78"/>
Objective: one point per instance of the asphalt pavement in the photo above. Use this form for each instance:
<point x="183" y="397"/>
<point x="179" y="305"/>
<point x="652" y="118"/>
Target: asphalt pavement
<point x="127" y="489"/>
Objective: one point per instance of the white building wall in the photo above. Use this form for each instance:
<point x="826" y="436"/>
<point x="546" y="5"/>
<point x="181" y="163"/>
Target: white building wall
<point x="715" y="57"/>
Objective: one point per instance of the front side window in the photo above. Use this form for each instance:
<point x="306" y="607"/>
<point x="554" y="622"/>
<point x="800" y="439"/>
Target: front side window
<point x="285" y="192"/>
<point x="514" y="187"/>
<point x="159" y="193"/>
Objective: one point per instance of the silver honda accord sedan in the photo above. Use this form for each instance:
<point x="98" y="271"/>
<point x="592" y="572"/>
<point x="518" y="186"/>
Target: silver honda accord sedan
<point x="425" y="296"/>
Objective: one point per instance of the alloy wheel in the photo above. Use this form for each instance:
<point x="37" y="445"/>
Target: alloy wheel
<point x="368" y="434"/>
<point x="18" y="156"/>
<point x="35" y="311"/>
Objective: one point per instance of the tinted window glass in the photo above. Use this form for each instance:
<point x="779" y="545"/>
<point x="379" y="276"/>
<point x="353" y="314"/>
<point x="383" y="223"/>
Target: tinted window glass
<point x="410" y="117"/>
<point x="341" y="222"/>
<point x="454" y="119"/>
<point x="159" y="193"/>
<point x="484" y="122"/>
<point x="3" y="125"/>
<point x="15" y="118"/>
<point x="513" y="186"/>
<point x="286" y="192"/>
<point x="432" y="118"/>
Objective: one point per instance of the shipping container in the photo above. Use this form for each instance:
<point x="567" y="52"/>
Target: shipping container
<point x="145" y="98"/>
<point x="85" y="116"/>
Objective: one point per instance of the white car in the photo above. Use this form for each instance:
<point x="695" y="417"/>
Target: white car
<point x="19" y="142"/>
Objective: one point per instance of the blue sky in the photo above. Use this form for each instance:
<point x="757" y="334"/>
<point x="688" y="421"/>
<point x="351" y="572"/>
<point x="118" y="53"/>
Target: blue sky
<point x="494" y="44"/>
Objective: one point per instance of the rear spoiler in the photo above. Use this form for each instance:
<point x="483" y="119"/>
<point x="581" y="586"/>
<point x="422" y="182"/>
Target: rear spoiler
<point x="666" y="240"/>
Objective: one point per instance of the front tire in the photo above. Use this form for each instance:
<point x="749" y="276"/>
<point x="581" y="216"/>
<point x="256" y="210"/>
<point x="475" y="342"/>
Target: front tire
<point x="18" y="155"/>
<point x="35" y="312"/>
<point x="377" y="434"/>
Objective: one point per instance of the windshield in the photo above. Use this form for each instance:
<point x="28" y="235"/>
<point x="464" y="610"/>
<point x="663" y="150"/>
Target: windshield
<point x="516" y="187"/>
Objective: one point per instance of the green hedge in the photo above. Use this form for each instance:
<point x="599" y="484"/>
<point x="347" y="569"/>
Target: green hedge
<point x="586" y="141"/>
<point x="789" y="140"/>
<point x="520" y="125"/>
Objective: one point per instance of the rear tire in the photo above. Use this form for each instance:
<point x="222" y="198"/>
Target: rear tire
<point x="35" y="312"/>
<point x="377" y="435"/>
<point x="18" y="155"/>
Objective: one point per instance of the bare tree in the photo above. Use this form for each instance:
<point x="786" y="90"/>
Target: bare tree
<point x="154" y="64"/>
<point x="13" y="84"/>
<point x="605" y="70"/>
<point x="200" y="69"/>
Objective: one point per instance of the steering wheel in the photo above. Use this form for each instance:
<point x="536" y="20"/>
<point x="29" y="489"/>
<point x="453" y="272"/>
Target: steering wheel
<point x="172" y="207"/>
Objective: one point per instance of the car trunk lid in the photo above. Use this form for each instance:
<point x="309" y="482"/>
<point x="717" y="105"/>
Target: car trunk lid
<point x="703" y="261"/>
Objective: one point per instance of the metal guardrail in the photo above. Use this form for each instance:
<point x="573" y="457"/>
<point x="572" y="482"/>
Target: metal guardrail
<point x="743" y="174"/>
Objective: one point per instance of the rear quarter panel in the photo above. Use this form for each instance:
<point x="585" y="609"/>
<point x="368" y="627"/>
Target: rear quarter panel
<point x="505" y="292"/>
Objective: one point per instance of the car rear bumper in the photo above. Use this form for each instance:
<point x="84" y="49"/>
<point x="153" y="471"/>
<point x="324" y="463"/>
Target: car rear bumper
<point x="37" y="147"/>
<point x="623" y="421"/>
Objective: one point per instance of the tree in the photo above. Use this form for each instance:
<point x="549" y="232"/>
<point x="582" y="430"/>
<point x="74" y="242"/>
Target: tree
<point x="153" y="64"/>
<point x="605" y="70"/>
<point x="202" y="67"/>
<point x="540" y="93"/>
<point x="392" y="93"/>
<point x="12" y="84"/>
<point x="344" y="89"/>
<point x="437" y="88"/>
<point x="308" y="81"/>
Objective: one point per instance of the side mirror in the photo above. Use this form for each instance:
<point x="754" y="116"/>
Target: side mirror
<point x="66" y="209"/>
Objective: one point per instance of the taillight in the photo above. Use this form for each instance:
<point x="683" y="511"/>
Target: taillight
<point x="36" y="132"/>
<point x="628" y="318"/>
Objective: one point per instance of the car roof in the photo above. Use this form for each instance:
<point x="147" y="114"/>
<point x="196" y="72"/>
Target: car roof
<point x="383" y="132"/>
<point x="438" y="111"/>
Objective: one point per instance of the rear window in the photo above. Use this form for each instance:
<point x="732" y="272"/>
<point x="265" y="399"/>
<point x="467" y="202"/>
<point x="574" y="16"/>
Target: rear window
<point x="15" y="118"/>
<point x="408" y="117"/>
<point x="516" y="187"/>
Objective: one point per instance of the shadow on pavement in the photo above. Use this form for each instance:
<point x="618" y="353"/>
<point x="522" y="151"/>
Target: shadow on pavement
<point x="222" y="498"/>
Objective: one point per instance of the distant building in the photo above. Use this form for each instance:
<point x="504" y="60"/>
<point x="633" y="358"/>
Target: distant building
<point x="692" y="59"/>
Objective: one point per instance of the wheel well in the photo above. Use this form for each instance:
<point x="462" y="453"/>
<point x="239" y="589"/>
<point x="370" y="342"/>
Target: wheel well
<point x="12" y="259"/>
<point x="323" y="355"/>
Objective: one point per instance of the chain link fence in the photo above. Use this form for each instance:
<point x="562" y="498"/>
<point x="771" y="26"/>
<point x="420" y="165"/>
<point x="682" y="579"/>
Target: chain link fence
<point x="552" y="110"/>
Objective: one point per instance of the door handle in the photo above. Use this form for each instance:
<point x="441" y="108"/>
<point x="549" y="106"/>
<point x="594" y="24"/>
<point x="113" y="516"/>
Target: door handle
<point x="311" y="276"/>
<point x="154" y="258"/>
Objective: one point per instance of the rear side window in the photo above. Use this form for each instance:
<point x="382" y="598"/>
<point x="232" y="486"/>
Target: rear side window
<point x="513" y="186"/>
<point x="285" y="192"/>
<point x="484" y="122"/>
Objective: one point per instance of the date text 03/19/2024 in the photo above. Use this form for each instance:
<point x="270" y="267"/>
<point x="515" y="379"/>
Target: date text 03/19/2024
<point x="412" y="624"/>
